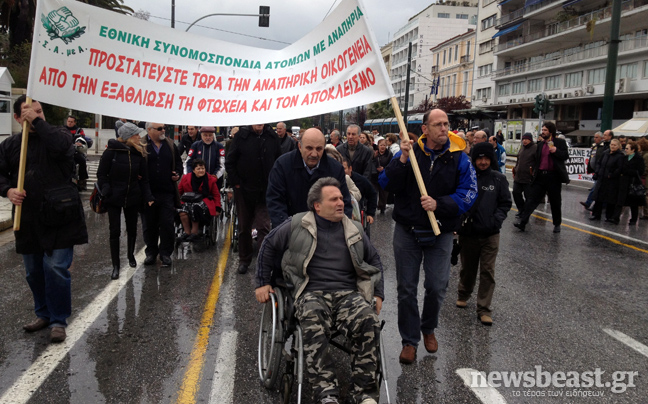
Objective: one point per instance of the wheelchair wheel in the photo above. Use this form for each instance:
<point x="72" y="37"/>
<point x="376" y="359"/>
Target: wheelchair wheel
<point x="213" y="231"/>
<point x="270" y="339"/>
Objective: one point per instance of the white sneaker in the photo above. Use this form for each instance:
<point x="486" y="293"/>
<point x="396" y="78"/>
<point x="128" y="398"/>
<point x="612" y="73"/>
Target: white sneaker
<point x="369" y="400"/>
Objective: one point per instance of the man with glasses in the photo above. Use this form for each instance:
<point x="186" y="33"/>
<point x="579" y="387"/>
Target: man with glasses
<point x="451" y="185"/>
<point x="164" y="168"/>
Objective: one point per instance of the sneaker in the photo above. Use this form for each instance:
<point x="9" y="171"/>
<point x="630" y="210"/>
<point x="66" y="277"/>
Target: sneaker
<point x="329" y="400"/>
<point x="57" y="334"/>
<point x="407" y="355"/>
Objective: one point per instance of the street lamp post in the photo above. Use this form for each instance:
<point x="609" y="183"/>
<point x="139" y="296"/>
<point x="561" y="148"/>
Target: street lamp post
<point x="264" y="17"/>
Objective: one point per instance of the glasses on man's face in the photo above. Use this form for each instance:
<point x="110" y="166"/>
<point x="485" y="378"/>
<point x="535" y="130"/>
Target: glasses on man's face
<point x="439" y="125"/>
<point x="160" y="129"/>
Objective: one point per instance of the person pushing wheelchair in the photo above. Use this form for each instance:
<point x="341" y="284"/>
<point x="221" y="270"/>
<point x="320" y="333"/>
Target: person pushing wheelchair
<point x="332" y="290"/>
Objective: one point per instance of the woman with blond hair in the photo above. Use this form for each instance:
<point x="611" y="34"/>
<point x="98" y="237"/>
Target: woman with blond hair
<point x="122" y="178"/>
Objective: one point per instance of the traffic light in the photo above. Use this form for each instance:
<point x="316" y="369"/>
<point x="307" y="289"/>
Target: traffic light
<point x="264" y="16"/>
<point x="547" y="107"/>
<point x="539" y="104"/>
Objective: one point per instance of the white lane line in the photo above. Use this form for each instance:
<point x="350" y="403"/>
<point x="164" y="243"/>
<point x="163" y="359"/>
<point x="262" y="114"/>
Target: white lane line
<point x="632" y="343"/>
<point x="477" y="382"/>
<point x="222" y="390"/>
<point x="27" y="384"/>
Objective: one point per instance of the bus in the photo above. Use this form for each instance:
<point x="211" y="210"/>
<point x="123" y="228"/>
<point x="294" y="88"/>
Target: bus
<point x="390" y="125"/>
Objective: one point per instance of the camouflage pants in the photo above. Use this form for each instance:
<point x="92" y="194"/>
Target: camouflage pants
<point x="348" y="312"/>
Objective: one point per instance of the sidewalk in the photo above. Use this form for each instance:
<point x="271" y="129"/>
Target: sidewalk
<point x="5" y="214"/>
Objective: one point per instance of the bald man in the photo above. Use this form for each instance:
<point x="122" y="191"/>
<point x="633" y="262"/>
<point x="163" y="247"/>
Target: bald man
<point x="295" y="172"/>
<point x="480" y="136"/>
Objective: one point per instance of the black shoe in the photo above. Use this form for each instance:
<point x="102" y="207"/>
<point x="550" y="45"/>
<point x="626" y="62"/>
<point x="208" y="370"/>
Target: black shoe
<point x="166" y="261"/>
<point x="131" y="262"/>
<point x="243" y="268"/>
<point x="632" y="222"/>
<point x="115" y="273"/>
<point x="193" y="237"/>
<point x="585" y="205"/>
<point x="150" y="260"/>
<point x="595" y="218"/>
<point x="520" y="225"/>
<point x="556" y="229"/>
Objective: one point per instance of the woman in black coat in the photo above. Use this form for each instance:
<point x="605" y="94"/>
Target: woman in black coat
<point x="382" y="158"/>
<point x="608" y="173"/>
<point x="632" y="170"/>
<point x="123" y="180"/>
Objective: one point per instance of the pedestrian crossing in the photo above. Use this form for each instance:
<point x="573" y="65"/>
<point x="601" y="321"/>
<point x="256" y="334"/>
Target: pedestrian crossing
<point x="93" y="165"/>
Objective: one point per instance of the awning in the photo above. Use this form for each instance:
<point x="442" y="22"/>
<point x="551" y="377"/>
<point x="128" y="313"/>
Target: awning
<point x="636" y="127"/>
<point x="581" y="132"/>
<point x="507" y="30"/>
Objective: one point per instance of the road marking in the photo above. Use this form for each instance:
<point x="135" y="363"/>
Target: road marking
<point x="488" y="394"/>
<point x="632" y="343"/>
<point x="222" y="390"/>
<point x="22" y="390"/>
<point x="191" y="380"/>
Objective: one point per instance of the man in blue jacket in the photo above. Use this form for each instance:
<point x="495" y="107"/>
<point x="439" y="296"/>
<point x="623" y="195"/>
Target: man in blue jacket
<point x="500" y="154"/>
<point x="451" y="186"/>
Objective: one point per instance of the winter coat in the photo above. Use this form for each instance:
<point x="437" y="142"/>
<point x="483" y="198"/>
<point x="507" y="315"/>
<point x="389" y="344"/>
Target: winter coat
<point x="523" y="170"/>
<point x="213" y="154"/>
<point x="186" y="142"/>
<point x="558" y="158"/>
<point x="161" y="166"/>
<point x="381" y="160"/>
<point x="50" y="163"/>
<point x="630" y="174"/>
<point x="289" y="183"/>
<point x="251" y="157"/>
<point x="486" y="218"/>
<point x="368" y="193"/>
<point x="362" y="161"/>
<point x="122" y="176"/>
<point x="287" y="144"/>
<point x="213" y="201"/>
<point x="608" y="174"/>
<point x="449" y="178"/>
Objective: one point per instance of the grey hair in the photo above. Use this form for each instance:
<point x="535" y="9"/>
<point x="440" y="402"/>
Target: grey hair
<point x="336" y="133"/>
<point x="150" y="125"/>
<point x="331" y="151"/>
<point x="315" y="192"/>
<point x="353" y="125"/>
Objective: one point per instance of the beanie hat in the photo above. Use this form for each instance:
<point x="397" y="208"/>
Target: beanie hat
<point x="208" y="129"/>
<point x="483" y="149"/>
<point x="527" y="136"/>
<point x="127" y="130"/>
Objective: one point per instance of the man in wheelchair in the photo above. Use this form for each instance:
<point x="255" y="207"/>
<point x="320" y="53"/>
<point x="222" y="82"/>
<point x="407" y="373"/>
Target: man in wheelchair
<point x="200" y="199"/>
<point x="333" y="284"/>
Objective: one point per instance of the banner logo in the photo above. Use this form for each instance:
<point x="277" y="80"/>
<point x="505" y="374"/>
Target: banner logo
<point x="62" y="24"/>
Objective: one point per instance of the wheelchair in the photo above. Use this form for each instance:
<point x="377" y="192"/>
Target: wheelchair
<point x="277" y="326"/>
<point x="228" y="204"/>
<point x="208" y="230"/>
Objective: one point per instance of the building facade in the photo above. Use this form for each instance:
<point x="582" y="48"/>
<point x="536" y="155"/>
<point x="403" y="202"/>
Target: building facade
<point x="452" y="68"/>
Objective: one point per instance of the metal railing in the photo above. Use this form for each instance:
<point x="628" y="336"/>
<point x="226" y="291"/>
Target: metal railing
<point x="522" y="11"/>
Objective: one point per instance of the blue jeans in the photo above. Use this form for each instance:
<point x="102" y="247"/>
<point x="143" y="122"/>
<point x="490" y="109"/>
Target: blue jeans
<point x="436" y="265"/>
<point x="49" y="280"/>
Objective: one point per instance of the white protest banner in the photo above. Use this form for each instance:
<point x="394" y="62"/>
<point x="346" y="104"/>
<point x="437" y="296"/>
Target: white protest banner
<point x="89" y="59"/>
<point x="576" y="164"/>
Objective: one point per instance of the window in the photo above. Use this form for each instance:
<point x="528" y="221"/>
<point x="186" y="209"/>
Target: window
<point x="534" y="86"/>
<point x="486" y="46"/>
<point x="462" y="16"/>
<point x="519" y="66"/>
<point x="443" y="15"/>
<point x="456" y="52"/>
<point x="487" y="2"/>
<point x="552" y="82"/>
<point x="628" y="70"/>
<point x="518" y="87"/>
<point x="489" y="22"/>
<point x="504" y="89"/>
<point x="485" y="70"/>
<point x="484" y="93"/>
<point x="449" y="55"/>
<point x="645" y="69"/>
<point x="444" y="57"/>
<point x="464" y="89"/>
<point x="468" y="50"/>
<point x="442" y="85"/>
<point x="573" y="79"/>
<point x="454" y="85"/>
<point x="596" y="76"/>
<point x="5" y="106"/>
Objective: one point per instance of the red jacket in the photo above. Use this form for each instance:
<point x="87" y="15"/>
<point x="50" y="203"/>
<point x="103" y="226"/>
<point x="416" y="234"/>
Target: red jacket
<point x="212" y="204"/>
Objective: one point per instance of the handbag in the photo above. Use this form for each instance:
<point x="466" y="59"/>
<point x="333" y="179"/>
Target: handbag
<point x="637" y="189"/>
<point x="424" y="237"/>
<point x="60" y="205"/>
<point x="97" y="202"/>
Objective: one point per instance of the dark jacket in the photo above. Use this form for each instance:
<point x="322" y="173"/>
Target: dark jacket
<point x="50" y="162"/>
<point x="186" y="142"/>
<point x="123" y="176"/>
<point x="558" y="157"/>
<point x="77" y="132"/>
<point x="213" y="154"/>
<point x="161" y="167"/>
<point x="523" y="170"/>
<point x="362" y="161"/>
<point x="381" y="160"/>
<point x="287" y="144"/>
<point x="631" y="174"/>
<point x="608" y="174"/>
<point x="449" y="178"/>
<point x="251" y="157"/>
<point x="369" y="194"/>
<point x="486" y="217"/>
<point x="596" y="150"/>
<point x="289" y="183"/>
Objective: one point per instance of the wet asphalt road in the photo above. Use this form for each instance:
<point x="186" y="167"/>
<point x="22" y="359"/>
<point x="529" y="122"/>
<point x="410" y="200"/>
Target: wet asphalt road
<point x="555" y="296"/>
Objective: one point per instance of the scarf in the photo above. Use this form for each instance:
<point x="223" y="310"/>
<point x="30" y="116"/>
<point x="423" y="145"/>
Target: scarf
<point x="196" y="182"/>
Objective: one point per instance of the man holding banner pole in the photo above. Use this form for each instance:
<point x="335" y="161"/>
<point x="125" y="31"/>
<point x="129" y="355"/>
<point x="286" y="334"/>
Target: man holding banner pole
<point x="451" y="183"/>
<point x="52" y="222"/>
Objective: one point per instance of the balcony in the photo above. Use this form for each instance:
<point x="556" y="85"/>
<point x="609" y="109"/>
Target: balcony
<point x="588" y="54"/>
<point x="464" y="59"/>
<point x="435" y="69"/>
<point x="519" y="13"/>
<point x="560" y="27"/>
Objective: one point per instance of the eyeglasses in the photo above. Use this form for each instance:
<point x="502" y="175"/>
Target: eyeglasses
<point x="160" y="129"/>
<point x="439" y="125"/>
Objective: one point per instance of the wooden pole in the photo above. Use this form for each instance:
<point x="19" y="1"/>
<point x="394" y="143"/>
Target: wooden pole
<point x="22" y="166"/>
<point x="415" y="167"/>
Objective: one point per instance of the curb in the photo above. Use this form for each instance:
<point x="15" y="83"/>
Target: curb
<point x="6" y="224"/>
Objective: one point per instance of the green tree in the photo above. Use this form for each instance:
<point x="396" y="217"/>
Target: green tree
<point x="380" y="109"/>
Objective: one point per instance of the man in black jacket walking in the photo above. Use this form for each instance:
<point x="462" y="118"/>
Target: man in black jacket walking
<point x="164" y="168"/>
<point x="249" y="160"/>
<point x="523" y="171"/>
<point x="46" y="241"/>
<point x="549" y="174"/>
<point x="479" y="233"/>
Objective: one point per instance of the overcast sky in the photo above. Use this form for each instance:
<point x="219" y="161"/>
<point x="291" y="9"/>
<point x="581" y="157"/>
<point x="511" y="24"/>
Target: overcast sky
<point x="289" y="19"/>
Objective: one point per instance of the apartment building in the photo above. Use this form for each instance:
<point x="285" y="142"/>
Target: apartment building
<point x="560" y="48"/>
<point x="386" y="52"/>
<point x="453" y="66"/>
<point x="427" y="29"/>
<point x="483" y="84"/>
